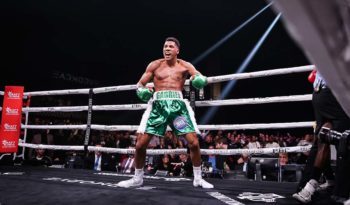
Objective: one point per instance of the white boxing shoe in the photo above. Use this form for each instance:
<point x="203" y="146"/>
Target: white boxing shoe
<point x="304" y="196"/>
<point x="202" y="183"/>
<point x="133" y="182"/>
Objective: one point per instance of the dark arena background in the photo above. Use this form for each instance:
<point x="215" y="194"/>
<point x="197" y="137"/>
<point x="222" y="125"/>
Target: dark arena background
<point x="83" y="44"/>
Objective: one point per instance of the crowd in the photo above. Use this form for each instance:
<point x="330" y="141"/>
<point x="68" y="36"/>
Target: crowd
<point x="168" y="164"/>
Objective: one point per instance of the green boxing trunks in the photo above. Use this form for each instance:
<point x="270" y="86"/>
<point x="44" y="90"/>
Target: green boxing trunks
<point x="168" y="108"/>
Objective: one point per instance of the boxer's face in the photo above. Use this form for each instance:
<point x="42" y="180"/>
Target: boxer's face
<point x="170" y="50"/>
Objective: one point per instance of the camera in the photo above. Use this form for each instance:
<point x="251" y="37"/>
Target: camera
<point x="328" y="136"/>
<point x="340" y="140"/>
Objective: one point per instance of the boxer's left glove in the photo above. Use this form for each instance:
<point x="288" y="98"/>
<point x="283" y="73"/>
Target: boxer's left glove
<point x="199" y="81"/>
<point x="144" y="93"/>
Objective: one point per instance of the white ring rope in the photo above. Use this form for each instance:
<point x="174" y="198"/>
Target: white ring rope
<point x="85" y="108"/>
<point x="214" y="79"/>
<point x="279" y="99"/>
<point x="173" y="151"/>
<point x="257" y="74"/>
<point x="55" y="127"/>
<point x="245" y="101"/>
<point x="282" y="125"/>
<point x="51" y="147"/>
<point x="201" y="127"/>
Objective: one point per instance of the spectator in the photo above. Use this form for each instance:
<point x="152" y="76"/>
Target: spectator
<point x="283" y="158"/>
<point x="165" y="165"/>
<point x="184" y="167"/>
<point x="302" y="157"/>
<point x="127" y="166"/>
<point x="287" y="175"/>
<point x="99" y="161"/>
<point x="271" y="142"/>
<point x="161" y="144"/>
<point x="253" y="144"/>
<point x="74" y="161"/>
<point x="40" y="158"/>
<point x="154" y="142"/>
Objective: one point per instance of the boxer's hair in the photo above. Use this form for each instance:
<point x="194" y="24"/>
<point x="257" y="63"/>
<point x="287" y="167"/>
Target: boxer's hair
<point x="173" y="39"/>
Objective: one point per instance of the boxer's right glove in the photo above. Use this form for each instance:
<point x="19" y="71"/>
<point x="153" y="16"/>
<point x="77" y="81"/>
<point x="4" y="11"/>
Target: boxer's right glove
<point x="144" y="93"/>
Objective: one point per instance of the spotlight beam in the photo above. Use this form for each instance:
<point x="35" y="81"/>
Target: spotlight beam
<point x="228" y="36"/>
<point x="229" y="87"/>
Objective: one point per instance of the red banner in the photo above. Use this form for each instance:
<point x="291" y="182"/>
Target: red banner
<point x="11" y="118"/>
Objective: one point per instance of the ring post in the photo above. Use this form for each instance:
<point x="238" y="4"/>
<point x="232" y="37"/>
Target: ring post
<point x="25" y="129"/>
<point x="192" y="96"/>
<point x="88" y="123"/>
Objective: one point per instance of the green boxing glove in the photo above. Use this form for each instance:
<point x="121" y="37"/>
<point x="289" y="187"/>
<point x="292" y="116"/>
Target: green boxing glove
<point x="199" y="81"/>
<point x="144" y="94"/>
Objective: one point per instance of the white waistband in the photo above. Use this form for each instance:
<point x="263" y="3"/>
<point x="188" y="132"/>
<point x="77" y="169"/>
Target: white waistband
<point x="167" y="95"/>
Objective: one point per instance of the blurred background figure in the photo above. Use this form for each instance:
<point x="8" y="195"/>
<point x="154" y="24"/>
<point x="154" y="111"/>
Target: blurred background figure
<point x="127" y="166"/>
<point x="99" y="161"/>
<point x="40" y="158"/>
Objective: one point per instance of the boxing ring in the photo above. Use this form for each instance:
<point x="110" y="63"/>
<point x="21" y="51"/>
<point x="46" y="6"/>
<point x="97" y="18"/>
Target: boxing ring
<point x="49" y="185"/>
<point x="89" y="108"/>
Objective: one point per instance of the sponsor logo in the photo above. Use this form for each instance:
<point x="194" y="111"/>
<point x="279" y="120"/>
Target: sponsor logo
<point x="263" y="197"/>
<point x="279" y="150"/>
<point x="145" y="177"/>
<point x="79" y="181"/>
<point x="76" y="79"/>
<point x="252" y="151"/>
<point x="136" y="106"/>
<point x="10" y="111"/>
<point x="305" y="148"/>
<point x="168" y="95"/>
<point x="169" y="151"/>
<point x="8" y="144"/>
<point x="58" y="179"/>
<point x="130" y="151"/>
<point x="12" y="173"/>
<point x="146" y="188"/>
<point x="10" y="128"/>
<point x="180" y="123"/>
<point x="223" y="198"/>
<point x="12" y="95"/>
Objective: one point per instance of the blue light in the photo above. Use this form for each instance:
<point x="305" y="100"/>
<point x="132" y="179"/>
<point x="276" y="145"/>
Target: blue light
<point x="229" y="87"/>
<point x="228" y="36"/>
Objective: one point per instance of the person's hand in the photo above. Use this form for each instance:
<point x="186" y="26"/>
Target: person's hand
<point x="240" y="160"/>
<point x="149" y="168"/>
<point x="176" y="164"/>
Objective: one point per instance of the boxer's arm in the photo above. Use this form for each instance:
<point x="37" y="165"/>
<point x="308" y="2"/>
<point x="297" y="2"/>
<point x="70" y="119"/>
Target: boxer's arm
<point x="147" y="75"/>
<point x="198" y="80"/>
<point x="191" y="69"/>
<point x="144" y="93"/>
